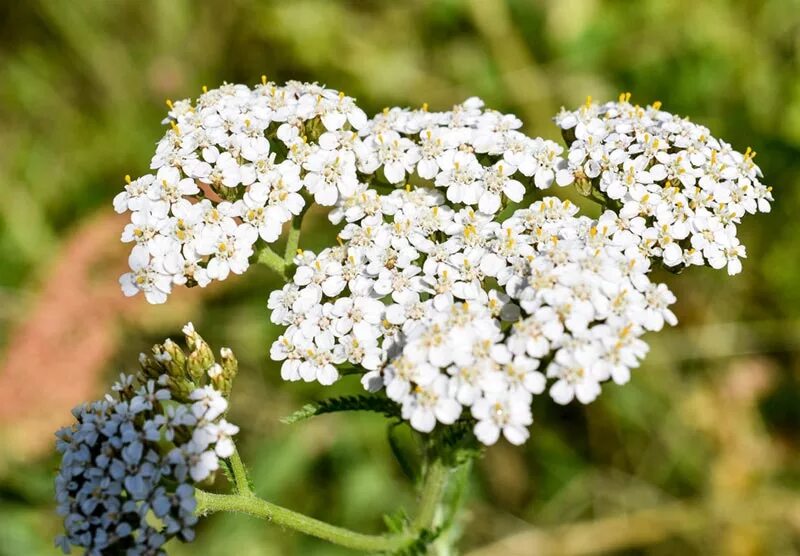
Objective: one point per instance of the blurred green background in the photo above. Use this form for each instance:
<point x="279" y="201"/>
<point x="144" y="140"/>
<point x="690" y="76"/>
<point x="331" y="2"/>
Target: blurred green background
<point x="697" y="455"/>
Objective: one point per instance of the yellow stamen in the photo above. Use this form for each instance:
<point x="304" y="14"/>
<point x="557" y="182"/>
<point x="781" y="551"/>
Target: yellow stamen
<point x="205" y="89"/>
<point x="657" y="105"/>
<point x="127" y="178"/>
<point x="169" y="104"/>
<point x="263" y="79"/>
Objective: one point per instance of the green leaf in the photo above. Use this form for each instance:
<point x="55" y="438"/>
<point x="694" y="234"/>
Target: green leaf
<point x="405" y="457"/>
<point x="397" y="521"/>
<point x="419" y="546"/>
<point x="375" y="404"/>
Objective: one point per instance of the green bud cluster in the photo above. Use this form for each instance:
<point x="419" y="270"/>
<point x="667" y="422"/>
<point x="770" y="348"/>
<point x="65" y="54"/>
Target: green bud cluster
<point x="191" y="369"/>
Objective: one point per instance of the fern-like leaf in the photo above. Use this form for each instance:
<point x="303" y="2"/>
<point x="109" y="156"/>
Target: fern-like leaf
<point x="376" y="404"/>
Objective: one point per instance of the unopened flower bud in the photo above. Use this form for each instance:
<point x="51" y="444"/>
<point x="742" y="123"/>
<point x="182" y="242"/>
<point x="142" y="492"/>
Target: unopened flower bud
<point x="175" y="365"/>
<point x="191" y="335"/>
<point x="217" y="376"/>
<point x="200" y="360"/>
<point x="151" y="367"/>
<point x="230" y="366"/>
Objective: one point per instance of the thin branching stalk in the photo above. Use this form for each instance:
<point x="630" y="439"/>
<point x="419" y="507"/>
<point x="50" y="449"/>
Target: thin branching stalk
<point x="208" y="503"/>
<point x="243" y="500"/>
<point x="293" y="238"/>
<point x="239" y="471"/>
<point x="433" y="489"/>
<point x="272" y="260"/>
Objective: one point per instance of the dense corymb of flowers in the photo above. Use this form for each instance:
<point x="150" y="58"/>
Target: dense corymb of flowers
<point x="455" y="286"/>
<point x="231" y="169"/>
<point x="135" y="455"/>
<point x="477" y="157"/>
<point x="115" y="471"/>
<point x="680" y="191"/>
<point x="239" y="163"/>
<point x="424" y="298"/>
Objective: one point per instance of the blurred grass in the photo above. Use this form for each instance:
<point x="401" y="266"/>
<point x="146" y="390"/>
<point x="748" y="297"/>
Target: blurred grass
<point x="709" y="423"/>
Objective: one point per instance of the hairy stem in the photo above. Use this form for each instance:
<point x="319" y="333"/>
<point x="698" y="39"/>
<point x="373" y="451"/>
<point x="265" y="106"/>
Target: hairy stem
<point x="432" y="493"/>
<point x="208" y="503"/>
<point x="243" y="500"/>
<point x="240" y="479"/>
<point x="293" y="239"/>
<point x="271" y="259"/>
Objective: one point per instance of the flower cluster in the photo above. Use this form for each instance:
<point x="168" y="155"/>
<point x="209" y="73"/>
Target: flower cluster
<point x="352" y="303"/>
<point x="582" y="304"/>
<point x="232" y="169"/>
<point x="680" y="191"/>
<point x="477" y="156"/>
<point x="408" y="298"/>
<point x="238" y="164"/>
<point x="135" y="455"/>
<point x="452" y="287"/>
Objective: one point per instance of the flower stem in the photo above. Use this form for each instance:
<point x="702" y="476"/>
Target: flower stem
<point x="240" y="478"/>
<point x="208" y="503"/>
<point x="293" y="239"/>
<point x="243" y="500"/>
<point x="271" y="259"/>
<point x="432" y="492"/>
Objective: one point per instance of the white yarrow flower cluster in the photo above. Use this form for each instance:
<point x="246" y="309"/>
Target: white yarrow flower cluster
<point x="582" y="304"/>
<point x="456" y="309"/>
<point x="233" y="169"/>
<point x="681" y="192"/>
<point x="476" y="156"/>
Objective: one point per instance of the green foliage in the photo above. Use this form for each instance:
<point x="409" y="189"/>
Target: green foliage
<point x="376" y="404"/>
<point x="420" y="545"/>
<point x="456" y="444"/>
<point x="404" y="449"/>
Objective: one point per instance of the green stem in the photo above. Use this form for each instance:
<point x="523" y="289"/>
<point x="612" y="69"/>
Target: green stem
<point x="271" y="259"/>
<point x="243" y="500"/>
<point x="208" y="503"/>
<point x="293" y="239"/>
<point x="432" y="492"/>
<point x="240" y="479"/>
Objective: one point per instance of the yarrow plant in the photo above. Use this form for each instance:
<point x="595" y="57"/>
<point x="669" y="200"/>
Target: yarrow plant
<point x="459" y="289"/>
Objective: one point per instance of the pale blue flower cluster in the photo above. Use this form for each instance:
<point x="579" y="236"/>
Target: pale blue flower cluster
<point x="127" y="469"/>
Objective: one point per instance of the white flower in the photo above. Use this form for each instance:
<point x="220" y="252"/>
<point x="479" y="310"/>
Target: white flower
<point x="169" y="187"/>
<point x="330" y="173"/>
<point x="576" y="378"/>
<point x="461" y="175"/>
<point x="395" y="155"/>
<point x="229" y="247"/>
<point x="496" y="181"/>
<point x="143" y="277"/>
<point x="502" y="413"/>
<point x="431" y="403"/>
<point x="135" y="191"/>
